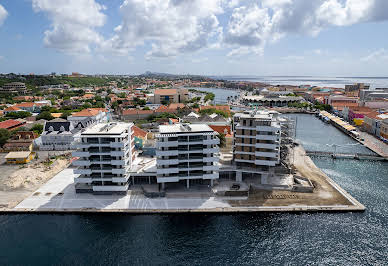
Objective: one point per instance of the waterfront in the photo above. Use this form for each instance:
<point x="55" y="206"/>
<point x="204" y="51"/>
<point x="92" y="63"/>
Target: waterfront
<point x="336" y="82"/>
<point x="278" y="238"/>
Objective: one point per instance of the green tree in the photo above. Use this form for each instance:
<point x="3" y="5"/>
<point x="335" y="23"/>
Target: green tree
<point x="222" y="138"/>
<point x="37" y="128"/>
<point x="4" y="136"/>
<point x="65" y="114"/>
<point x="21" y="114"/>
<point x="45" y="115"/>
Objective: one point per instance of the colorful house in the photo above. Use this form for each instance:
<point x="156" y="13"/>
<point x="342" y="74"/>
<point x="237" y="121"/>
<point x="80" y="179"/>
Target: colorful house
<point x="140" y="137"/>
<point x="19" y="157"/>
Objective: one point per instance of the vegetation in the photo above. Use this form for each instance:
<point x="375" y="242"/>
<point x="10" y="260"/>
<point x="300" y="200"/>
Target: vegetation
<point x="37" y="128"/>
<point x="65" y="114"/>
<point x="209" y="96"/>
<point x="154" y="118"/>
<point x="45" y="115"/>
<point x="16" y="115"/>
<point x="215" y="111"/>
<point x="222" y="138"/>
<point x="4" y="136"/>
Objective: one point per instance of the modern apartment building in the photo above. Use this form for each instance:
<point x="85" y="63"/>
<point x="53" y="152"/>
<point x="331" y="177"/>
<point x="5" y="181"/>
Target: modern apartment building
<point x="256" y="143"/>
<point x="187" y="154"/>
<point x="14" y="87"/>
<point x="106" y="153"/>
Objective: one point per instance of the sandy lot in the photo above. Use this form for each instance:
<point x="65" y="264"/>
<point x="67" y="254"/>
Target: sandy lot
<point x="18" y="181"/>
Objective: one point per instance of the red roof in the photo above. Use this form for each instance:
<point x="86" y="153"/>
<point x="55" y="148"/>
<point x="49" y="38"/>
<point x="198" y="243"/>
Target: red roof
<point x="138" y="132"/>
<point x="11" y="109"/>
<point x="176" y="106"/>
<point x="136" y="112"/>
<point x="10" y="124"/>
<point x="223" y="129"/>
<point x="26" y="104"/>
<point x="224" y="108"/>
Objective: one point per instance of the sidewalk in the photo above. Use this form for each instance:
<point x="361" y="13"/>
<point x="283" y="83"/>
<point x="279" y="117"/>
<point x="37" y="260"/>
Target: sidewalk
<point x="375" y="144"/>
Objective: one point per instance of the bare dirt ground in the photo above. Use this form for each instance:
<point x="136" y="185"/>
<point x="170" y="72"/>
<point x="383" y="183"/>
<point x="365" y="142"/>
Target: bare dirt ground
<point x="324" y="193"/>
<point x="18" y="181"/>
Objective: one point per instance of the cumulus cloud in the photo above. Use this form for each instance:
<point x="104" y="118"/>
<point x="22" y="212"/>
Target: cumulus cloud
<point x="171" y="27"/>
<point x="73" y="23"/>
<point x="3" y="14"/>
<point x="254" y="24"/>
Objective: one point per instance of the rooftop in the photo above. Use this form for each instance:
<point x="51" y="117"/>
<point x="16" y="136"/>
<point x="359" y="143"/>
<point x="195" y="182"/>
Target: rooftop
<point x="107" y="128"/>
<point x="182" y="128"/>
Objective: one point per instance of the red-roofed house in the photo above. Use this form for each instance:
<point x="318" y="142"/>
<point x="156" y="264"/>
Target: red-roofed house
<point x="97" y="114"/>
<point x="224" y="108"/>
<point x="11" y="124"/>
<point x="227" y="131"/>
<point x="140" y="137"/>
<point x="134" y="114"/>
<point x="11" y="109"/>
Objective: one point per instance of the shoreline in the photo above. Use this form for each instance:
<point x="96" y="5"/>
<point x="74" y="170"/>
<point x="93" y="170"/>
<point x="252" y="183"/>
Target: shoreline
<point x="64" y="200"/>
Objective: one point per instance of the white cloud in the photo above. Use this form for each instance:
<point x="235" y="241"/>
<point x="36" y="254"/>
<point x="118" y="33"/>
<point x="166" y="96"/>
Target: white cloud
<point x="255" y="24"/>
<point x="73" y="23"/>
<point x="199" y="60"/>
<point x="293" y="58"/>
<point x="380" y="54"/>
<point x="3" y="14"/>
<point x="172" y="27"/>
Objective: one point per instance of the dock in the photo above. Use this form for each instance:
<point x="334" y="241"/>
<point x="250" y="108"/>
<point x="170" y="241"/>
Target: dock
<point x="356" y="156"/>
<point x="351" y="131"/>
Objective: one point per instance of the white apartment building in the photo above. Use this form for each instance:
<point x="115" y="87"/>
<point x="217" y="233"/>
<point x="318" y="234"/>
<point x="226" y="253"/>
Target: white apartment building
<point x="187" y="154"/>
<point x="256" y="144"/>
<point x="106" y="154"/>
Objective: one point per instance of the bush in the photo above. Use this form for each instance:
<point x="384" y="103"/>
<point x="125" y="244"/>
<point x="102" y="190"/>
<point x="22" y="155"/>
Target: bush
<point x="37" y="128"/>
<point x="4" y="136"/>
<point x="46" y="115"/>
<point x="22" y="114"/>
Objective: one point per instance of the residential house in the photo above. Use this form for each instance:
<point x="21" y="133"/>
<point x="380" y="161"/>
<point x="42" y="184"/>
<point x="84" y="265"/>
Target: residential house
<point x="12" y="124"/>
<point x="140" y="137"/>
<point x="58" y="135"/>
<point x="21" y="141"/>
<point x="97" y="114"/>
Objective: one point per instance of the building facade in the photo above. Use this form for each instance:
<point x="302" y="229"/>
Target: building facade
<point x="164" y="96"/>
<point x="256" y="144"/>
<point x="58" y="135"/>
<point x="187" y="154"/>
<point x="106" y="154"/>
<point x="14" y="87"/>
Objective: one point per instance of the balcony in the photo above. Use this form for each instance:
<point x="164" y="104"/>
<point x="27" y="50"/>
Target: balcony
<point x="210" y="168"/>
<point x="161" y="179"/>
<point x="266" y="146"/>
<point x="211" y="176"/>
<point x="266" y="154"/>
<point x="167" y="144"/>
<point x="167" y="170"/>
<point x="80" y="171"/>
<point x="267" y="137"/>
<point x="81" y="163"/>
<point x="267" y="128"/>
<point x="265" y="162"/>
<point x="212" y="150"/>
<point x="166" y="153"/>
<point x="210" y="159"/>
<point x="82" y="180"/>
<point x="215" y="141"/>
<point x="167" y="162"/>
<point x="81" y="154"/>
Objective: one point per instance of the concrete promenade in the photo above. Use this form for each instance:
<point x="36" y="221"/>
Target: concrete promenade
<point x="58" y="196"/>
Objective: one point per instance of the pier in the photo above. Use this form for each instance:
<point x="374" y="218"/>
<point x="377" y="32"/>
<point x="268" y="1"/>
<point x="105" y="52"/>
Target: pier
<point x="357" y="156"/>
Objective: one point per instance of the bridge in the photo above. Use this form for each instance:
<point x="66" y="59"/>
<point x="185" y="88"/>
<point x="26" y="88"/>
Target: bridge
<point x="357" y="156"/>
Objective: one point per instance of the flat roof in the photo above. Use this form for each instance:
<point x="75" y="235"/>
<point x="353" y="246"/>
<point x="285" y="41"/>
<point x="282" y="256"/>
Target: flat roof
<point x="259" y="114"/>
<point x="111" y="128"/>
<point x="184" y="128"/>
<point x="18" y="155"/>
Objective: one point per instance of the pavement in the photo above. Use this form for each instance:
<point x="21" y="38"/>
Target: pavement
<point x="375" y="144"/>
<point x="58" y="195"/>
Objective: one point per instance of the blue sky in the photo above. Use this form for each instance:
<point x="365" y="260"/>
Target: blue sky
<point x="213" y="37"/>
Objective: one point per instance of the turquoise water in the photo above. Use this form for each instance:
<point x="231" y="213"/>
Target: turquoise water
<point x="245" y="239"/>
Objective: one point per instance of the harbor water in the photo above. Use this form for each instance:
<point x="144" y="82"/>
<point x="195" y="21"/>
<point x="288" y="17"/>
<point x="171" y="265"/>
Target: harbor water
<point x="244" y="239"/>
